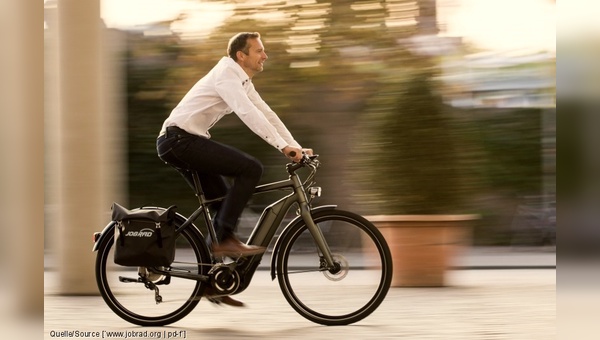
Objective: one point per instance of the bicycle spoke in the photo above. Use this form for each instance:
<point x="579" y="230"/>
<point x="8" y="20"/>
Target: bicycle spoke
<point x="152" y="297"/>
<point x="357" y="284"/>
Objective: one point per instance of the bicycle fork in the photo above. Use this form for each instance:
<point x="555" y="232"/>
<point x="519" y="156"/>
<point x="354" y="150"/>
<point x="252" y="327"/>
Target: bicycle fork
<point x="317" y="235"/>
<point x="315" y="231"/>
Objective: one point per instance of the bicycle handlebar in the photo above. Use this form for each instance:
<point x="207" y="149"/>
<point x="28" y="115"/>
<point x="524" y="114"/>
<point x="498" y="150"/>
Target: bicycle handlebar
<point x="306" y="160"/>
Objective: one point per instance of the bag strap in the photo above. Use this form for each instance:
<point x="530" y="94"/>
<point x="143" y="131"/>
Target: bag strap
<point x="159" y="235"/>
<point x="121" y="234"/>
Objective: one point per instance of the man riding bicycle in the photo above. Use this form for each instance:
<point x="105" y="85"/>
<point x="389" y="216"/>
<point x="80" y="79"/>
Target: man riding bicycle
<point x="184" y="140"/>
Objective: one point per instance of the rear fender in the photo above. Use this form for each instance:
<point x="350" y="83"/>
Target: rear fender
<point x="100" y="236"/>
<point x="288" y="227"/>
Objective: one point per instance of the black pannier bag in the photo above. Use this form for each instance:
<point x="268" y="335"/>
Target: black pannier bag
<point x="144" y="237"/>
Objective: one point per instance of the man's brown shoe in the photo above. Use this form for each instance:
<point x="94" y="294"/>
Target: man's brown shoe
<point x="233" y="247"/>
<point x="225" y="299"/>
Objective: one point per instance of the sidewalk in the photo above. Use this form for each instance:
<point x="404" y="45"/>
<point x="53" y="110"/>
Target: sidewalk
<point x="478" y="304"/>
<point x="507" y="258"/>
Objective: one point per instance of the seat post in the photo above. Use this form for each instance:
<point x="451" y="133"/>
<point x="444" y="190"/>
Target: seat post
<point x="202" y="200"/>
<point x="198" y="187"/>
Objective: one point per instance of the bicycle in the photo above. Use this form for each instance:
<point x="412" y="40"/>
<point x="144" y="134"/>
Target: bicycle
<point x="333" y="267"/>
<point x="534" y="223"/>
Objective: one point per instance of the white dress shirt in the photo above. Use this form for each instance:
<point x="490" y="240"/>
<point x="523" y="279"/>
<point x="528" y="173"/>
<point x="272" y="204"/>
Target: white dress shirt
<point x="225" y="89"/>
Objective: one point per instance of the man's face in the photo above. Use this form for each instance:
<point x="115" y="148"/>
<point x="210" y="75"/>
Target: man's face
<point x="253" y="62"/>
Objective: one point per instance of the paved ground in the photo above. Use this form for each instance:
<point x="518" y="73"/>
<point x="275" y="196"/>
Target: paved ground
<point x="477" y="304"/>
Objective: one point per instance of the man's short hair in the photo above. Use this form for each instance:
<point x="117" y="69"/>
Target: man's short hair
<point x="239" y="42"/>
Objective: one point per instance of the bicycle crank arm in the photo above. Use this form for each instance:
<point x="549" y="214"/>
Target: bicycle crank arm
<point x="185" y="275"/>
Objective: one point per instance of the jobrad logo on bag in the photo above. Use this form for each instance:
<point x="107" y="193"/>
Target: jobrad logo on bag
<point x="146" y="232"/>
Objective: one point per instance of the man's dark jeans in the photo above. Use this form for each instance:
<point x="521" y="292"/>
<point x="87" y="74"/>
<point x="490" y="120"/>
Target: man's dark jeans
<point x="212" y="160"/>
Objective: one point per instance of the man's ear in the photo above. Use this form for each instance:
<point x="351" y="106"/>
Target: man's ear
<point x="240" y="55"/>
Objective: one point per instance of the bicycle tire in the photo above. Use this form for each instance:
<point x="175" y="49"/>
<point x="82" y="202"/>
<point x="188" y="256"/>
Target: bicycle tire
<point x="362" y="282"/>
<point x="134" y="302"/>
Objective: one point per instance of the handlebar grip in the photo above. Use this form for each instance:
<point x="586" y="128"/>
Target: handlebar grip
<point x="292" y="154"/>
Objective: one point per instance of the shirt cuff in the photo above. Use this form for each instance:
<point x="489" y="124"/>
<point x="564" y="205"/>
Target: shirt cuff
<point x="279" y="143"/>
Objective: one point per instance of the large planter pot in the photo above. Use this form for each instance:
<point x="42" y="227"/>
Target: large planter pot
<point x="424" y="247"/>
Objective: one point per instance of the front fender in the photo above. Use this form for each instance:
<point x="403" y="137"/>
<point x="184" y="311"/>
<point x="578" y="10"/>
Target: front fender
<point x="290" y="225"/>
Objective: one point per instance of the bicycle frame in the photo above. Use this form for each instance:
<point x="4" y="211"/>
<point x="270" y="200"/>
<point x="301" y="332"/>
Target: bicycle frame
<point x="265" y="228"/>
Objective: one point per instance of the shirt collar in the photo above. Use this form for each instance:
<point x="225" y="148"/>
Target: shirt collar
<point x="239" y="71"/>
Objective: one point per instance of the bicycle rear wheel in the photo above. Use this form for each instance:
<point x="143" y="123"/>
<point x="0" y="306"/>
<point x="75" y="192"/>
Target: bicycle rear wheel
<point x="354" y="289"/>
<point x="131" y="298"/>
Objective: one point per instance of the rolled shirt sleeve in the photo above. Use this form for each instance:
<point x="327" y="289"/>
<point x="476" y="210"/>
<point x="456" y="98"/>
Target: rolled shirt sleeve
<point x="265" y="123"/>
<point x="273" y="118"/>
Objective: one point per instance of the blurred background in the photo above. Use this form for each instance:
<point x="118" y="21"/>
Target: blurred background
<point x="415" y="107"/>
<point x="376" y="87"/>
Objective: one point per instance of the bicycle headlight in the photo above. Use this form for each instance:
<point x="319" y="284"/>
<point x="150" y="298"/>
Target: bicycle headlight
<point x="315" y="191"/>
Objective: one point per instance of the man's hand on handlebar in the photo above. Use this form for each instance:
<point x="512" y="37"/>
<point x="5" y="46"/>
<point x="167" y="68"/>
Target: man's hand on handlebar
<point x="296" y="154"/>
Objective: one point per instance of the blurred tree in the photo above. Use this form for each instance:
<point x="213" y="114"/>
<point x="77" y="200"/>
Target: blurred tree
<point x="405" y="159"/>
<point x="318" y="78"/>
<point x="413" y="167"/>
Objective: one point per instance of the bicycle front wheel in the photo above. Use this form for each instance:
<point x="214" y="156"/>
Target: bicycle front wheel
<point x="127" y="292"/>
<point x="351" y="291"/>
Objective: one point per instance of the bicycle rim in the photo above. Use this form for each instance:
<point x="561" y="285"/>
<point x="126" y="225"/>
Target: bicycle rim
<point x="340" y="297"/>
<point x="136" y="303"/>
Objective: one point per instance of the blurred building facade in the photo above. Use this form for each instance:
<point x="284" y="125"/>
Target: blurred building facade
<point x="501" y="80"/>
<point x="509" y="80"/>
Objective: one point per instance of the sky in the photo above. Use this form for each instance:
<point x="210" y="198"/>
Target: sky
<point x="488" y="24"/>
<point x="201" y="16"/>
<point x="501" y="24"/>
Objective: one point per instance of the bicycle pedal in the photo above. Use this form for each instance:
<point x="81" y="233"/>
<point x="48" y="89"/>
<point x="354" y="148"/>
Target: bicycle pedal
<point x="165" y="281"/>
<point x="128" y="279"/>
